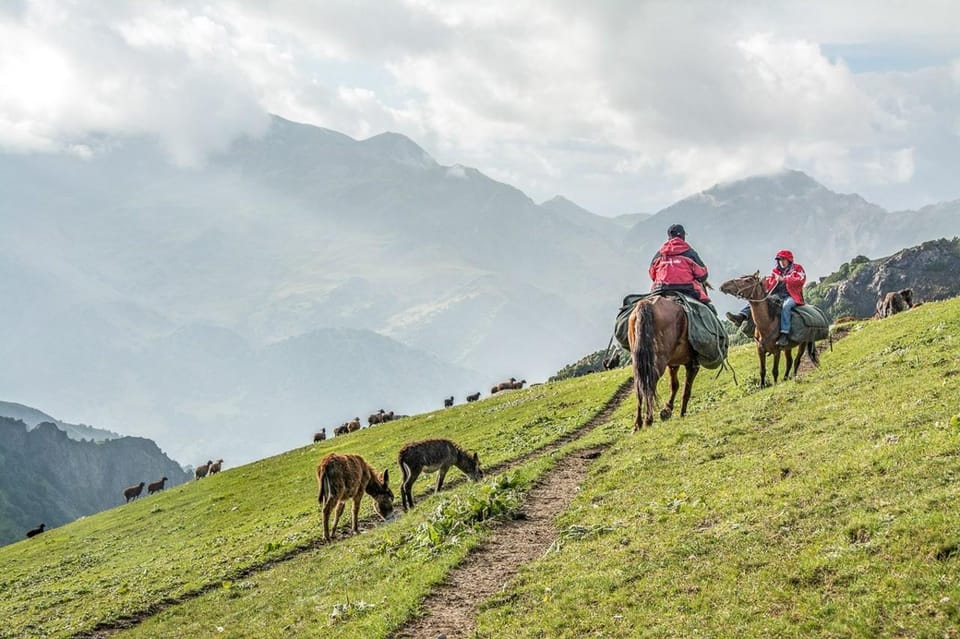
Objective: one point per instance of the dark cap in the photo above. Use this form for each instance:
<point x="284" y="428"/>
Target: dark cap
<point x="676" y="230"/>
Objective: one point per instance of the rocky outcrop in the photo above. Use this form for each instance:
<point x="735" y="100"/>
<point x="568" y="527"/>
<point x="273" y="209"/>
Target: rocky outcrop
<point x="45" y="476"/>
<point x="929" y="269"/>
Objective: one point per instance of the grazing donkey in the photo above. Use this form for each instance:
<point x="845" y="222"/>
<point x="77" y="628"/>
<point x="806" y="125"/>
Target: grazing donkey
<point x="341" y="477"/>
<point x="430" y="455"/>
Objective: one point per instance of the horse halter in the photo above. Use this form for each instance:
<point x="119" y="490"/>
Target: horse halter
<point x="741" y="289"/>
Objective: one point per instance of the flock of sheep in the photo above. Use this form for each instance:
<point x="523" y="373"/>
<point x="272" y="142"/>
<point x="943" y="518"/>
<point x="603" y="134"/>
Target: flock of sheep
<point x="133" y="492"/>
<point x="345" y="475"/>
<point x="383" y="416"/>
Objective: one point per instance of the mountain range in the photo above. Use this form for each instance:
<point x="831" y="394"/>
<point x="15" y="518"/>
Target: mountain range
<point x="50" y="478"/>
<point x="304" y="278"/>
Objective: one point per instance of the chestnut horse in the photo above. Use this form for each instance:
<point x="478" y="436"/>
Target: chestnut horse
<point x="767" y="321"/>
<point x="658" y="341"/>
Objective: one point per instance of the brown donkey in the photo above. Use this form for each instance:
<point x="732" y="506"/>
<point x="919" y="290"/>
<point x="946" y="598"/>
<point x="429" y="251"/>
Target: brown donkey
<point x="341" y="477"/>
<point x="431" y="455"/>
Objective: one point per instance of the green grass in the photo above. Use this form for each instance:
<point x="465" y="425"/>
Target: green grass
<point x="824" y="506"/>
<point x="200" y="535"/>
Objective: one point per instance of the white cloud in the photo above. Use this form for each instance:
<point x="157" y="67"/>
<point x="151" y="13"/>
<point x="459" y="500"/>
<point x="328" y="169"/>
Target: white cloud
<point x="618" y="105"/>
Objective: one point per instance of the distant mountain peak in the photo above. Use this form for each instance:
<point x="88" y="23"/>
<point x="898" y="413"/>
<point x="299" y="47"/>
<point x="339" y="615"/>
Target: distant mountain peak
<point x="558" y="202"/>
<point x="783" y="182"/>
<point x="400" y="148"/>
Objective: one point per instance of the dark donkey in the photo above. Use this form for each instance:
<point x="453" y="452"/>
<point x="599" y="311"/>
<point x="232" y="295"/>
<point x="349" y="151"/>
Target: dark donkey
<point x="766" y="316"/>
<point x="341" y="477"/>
<point x="658" y="341"/>
<point x="431" y="455"/>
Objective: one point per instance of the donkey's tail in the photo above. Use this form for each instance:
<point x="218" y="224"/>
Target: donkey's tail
<point x="324" y="485"/>
<point x="644" y="369"/>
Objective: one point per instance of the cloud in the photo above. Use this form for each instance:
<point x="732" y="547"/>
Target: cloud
<point x="621" y="106"/>
<point x="70" y="72"/>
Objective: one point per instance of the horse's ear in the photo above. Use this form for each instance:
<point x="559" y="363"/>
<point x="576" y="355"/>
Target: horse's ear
<point x="757" y="274"/>
<point x="386" y="477"/>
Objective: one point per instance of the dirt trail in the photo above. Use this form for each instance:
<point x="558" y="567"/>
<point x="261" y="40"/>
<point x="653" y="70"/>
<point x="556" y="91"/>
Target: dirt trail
<point x="450" y="611"/>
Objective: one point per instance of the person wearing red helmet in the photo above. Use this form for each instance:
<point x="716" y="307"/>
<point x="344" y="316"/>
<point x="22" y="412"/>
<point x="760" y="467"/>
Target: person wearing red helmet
<point x="677" y="267"/>
<point x="785" y="281"/>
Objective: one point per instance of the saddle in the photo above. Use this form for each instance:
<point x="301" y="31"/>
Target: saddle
<point x="807" y="322"/>
<point x="704" y="331"/>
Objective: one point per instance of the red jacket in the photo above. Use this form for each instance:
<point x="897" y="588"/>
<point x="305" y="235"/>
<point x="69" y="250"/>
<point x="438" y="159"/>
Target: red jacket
<point x="676" y="265"/>
<point x="793" y="276"/>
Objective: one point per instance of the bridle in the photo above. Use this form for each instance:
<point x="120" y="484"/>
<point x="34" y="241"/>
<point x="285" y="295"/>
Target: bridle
<point x="742" y="288"/>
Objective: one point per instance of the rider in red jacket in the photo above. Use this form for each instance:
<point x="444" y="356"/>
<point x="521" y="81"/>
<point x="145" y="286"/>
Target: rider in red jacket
<point x="785" y="281"/>
<point x="677" y="267"/>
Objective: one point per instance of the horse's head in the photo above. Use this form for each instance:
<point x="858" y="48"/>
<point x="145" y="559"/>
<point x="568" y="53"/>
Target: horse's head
<point x="748" y="287"/>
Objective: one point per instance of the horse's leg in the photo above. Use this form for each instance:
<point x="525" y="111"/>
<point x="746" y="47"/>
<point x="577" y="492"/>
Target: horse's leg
<point x="776" y="364"/>
<point x="788" y="354"/>
<point x="691" y="373"/>
<point x="638" y="419"/>
<point x="796" y="362"/>
<point x="763" y="365"/>
<point x="667" y="410"/>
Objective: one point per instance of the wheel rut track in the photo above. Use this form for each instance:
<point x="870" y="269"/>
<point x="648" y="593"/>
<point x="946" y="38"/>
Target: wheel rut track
<point x="536" y="518"/>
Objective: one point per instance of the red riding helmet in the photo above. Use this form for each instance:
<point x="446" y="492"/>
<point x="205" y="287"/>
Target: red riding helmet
<point x="785" y="254"/>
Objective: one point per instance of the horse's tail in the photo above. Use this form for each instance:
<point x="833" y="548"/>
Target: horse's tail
<point x="644" y="369"/>
<point x="812" y="353"/>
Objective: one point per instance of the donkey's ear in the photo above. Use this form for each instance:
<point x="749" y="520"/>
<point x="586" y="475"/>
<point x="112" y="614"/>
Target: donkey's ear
<point x="757" y="274"/>
<point x="386" y="477"/>
<point x="476" y="458"/>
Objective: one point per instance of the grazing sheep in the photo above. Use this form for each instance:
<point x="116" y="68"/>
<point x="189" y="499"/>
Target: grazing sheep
<point x="448" y="402"/>
<point x="36" y="531"/>
<point x="341" y="429"/>
<point x="380" y="417"/>
<point x="341" y="477"/>
<point x="515" y="384"/>
<point x="893" y="303"/>
<point x="156" y="486"/>
<point x="133" y="492"/>
<point x="353" y="425"/>
<point x="430" y="455"/>
<point x="502" y="386"/>
<point x="216" y="466"/>
<point x="201" y="471"/>
<point x="322" y="435"/>
<point x="474" y="397"/>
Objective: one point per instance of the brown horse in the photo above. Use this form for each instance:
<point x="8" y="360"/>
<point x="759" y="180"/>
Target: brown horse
<point x="767" y="321"/>
<point x="658" y="341"/>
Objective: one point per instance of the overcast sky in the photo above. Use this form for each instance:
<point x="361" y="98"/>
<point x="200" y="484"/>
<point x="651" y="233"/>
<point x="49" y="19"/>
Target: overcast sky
<point x="621" y="106"/>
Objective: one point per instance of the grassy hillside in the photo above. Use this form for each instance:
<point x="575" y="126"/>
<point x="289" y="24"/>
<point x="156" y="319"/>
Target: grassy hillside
<point x="822" y="507"/>
<point x="213" y="532"/>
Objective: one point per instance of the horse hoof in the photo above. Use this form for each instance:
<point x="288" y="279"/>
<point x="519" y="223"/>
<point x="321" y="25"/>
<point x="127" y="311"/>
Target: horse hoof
<point x="665" y="414"/>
